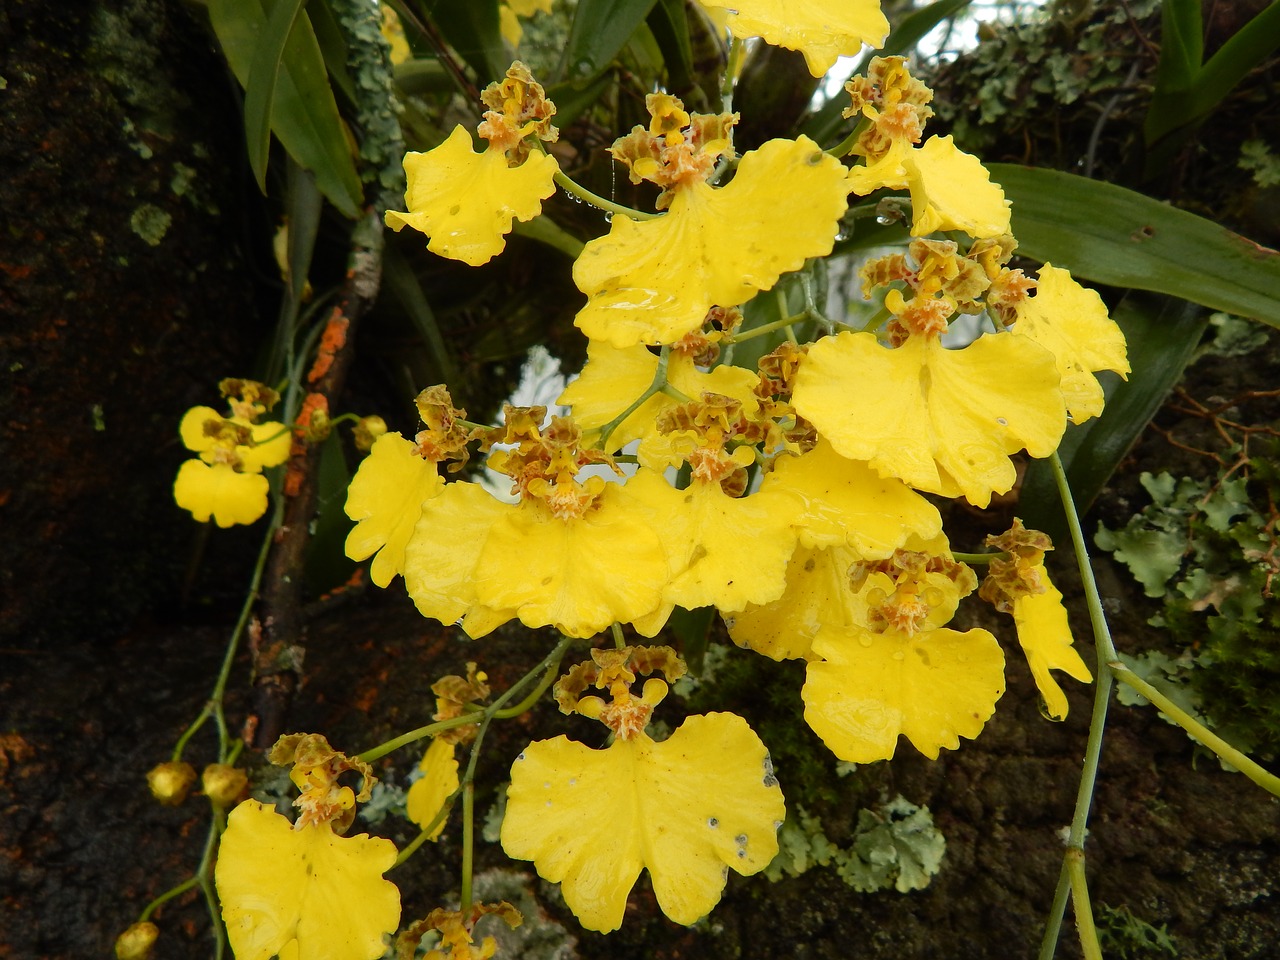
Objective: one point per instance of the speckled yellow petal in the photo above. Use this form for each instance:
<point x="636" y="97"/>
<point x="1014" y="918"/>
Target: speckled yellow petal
<point x="869" y="689"/>
<point x="465" y="201"/>
<point x="929" y="415"/>
<point x="846" y="502"/>
<point x="219" y="491"/>
<point x="653" y="281"/>
<point x="701" y="801"/>
<point x="952" y="190"/>
<point x="191" y="429"/>
<point x="303" y="893"/>
<point x="385" y="499"/>
<point x="1071" y="322"/>
<point x="728" y="552"/>
<point x="822" y="30"/>
<point x="614" y="378"/>
<point x="1045" y="637"/>
<point x="441" y="556"/>
<point x="578" y="575"/>
<point x="817" y="594"/>
<point x="428" y="793"/>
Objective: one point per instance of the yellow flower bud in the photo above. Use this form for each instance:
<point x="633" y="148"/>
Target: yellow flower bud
<point x="223" y="784"/>
<point x="368" y="430"/>
<point x="136" y="942"/>
<point x="170" y="782"/>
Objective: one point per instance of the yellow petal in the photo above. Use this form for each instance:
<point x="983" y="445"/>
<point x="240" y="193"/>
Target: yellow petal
<point x="848" y="503"/>
<point x="932" y="688"/>
<point x="932" y="416"/>
<point x="438" y="781"/>
<point x="465" y="201"/>
<point x="192" y="428"/>
<point x="509" y="25"/>
<point x="653" y="281"/>
<point x="952" y="190"/>
<point x="686" y="809"/>
<point x="578" y="575"/>
<point x="1045" y="637"/>
<point x="303" y="893"/>
<point x="816" y="595"/>
<point x="888" y="171"/>
<point x="385" y="499"/>
<point x="219" y="491"/>
<point x="822" y="30"/>
<point x="728" y="552"/>
<point x="1071" y="322"/>
<point x="441" y="556"/>
<point x="272" y="443"/>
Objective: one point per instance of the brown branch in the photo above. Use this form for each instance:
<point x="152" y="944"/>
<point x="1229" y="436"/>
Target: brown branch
<point x="278" y="656"/>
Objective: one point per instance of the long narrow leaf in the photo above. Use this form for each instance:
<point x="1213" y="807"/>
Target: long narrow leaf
<point x="260" y="92"/>
<point x="471" y="27"/>
<point x="304" y="114"/>
<point x="600" y="29"/>
<point x="1244" y="52"/>
<point x="1115" y="236"/>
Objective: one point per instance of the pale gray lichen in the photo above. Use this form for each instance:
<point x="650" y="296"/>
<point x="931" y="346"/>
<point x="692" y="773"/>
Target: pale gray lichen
<point x="150" y="223"/>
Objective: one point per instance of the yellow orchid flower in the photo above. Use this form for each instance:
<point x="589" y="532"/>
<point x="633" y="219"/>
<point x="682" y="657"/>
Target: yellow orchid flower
<point x="300" y="892"/>
<point x="870" y="688"/>
<point x="943" y="421"/>
<point x="1045" y="637"/>
<point x="465" y="201"/>
<point x="653" y="281"/>
<point x="822" y="30"/>
<point x="688" y="809"/>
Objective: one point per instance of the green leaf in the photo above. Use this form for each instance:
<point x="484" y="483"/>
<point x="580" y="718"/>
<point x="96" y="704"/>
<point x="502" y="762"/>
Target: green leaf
<point x="693" y="629"/>
<point x="260" y="91"/>
<point x="600" y="29"/>
<point x="1112" y="235"/>
<point x="402" y="283"/>
<point x="471" y="27"/>
<point x="1162" y="334"/>
<point x="304" y="114"/>
<point x="1246" y="50"/>
<point x="670" y="26"/>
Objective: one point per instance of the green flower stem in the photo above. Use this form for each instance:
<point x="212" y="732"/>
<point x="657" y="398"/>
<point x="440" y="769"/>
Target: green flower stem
<point x="841" y="149"/>
<point x="430" y="730"/>
<point x="1080" y="903"/>
<point x="468" y="780"/>
<point x="213" y="707"/>
<point x="183" y="887"/>
<point x="766" y="328"/>
<point x="977" y="559"/>
<point x="657" y="386"/>
<point x="1267" y="781"/>
<point x="534" y="695"/>
<point x="618" y="640"/>
<point x="468" y="840"/>
<point x="582" y="193"/>
<point x="1097" y="723"/>
<point x="676" y="394"/>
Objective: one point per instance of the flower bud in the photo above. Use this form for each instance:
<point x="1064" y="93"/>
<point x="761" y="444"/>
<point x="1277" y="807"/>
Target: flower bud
<point x="368" y="430"/>
<point x="170" y="782"/>
<point x="136" y="942"/>
<point x="223" y="784"/>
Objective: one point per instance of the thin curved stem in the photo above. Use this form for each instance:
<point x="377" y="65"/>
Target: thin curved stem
<point x="659" y="382"/>
<point x="1267" y="781"/>
<point x="1097" y="724"/>
<point x="570" y="186"/>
